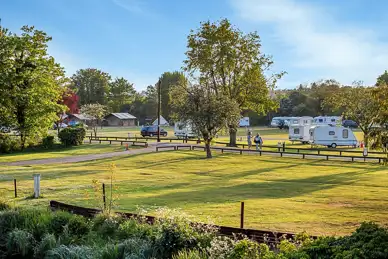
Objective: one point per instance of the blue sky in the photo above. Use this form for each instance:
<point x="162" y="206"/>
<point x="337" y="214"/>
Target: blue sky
<point x="140" y="39"/>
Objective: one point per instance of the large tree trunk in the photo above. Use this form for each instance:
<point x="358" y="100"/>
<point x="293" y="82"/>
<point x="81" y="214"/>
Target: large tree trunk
<point x="22" y="140"/>
<point x="232" y="136"/>
<point x="208" y="150"/>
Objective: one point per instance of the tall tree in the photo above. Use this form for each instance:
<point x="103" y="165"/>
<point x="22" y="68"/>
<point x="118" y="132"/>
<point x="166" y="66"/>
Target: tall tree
<point x="168" y="80"/>
<point x="31" y="83"/>
<point x="382" y="79"/>
<point x="321" y="90"/>
<point x="207" y="111"/>
<point x="358" y="104"/>
<point x="96" y="113"/>
<point x="121" y="92"/>
<point x="91" y="85"/>
<point x="231" y="63"/>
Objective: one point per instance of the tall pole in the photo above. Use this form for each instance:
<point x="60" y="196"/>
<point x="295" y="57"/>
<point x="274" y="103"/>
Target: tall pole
<point x="159" y="83"/>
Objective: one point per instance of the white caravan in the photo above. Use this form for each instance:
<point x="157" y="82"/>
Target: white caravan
<point x="332" y="136"/>
<point x="183" y="130"/>
<point x="244" y="122"/>
<point x="327" y="120"/>
<point x="299" y="129"/>
<point x="276" y="121"/>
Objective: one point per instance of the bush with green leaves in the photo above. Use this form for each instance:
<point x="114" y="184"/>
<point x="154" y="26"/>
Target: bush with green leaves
<point x="34" y="233"/>
<point x="48" y="142"/>
<point x="9" y="144"/>
<point x="72" y="136"/>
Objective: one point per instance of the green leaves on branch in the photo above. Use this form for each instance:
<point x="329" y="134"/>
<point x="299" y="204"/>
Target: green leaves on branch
<point x="31" y="83"/>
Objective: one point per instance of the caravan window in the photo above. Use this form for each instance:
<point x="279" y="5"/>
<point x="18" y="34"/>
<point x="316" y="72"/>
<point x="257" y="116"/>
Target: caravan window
<point x="296" y="131"/>
<point x="332" y="120"/>
<point x="295" y="121"/>
<point x="345" y="133"/>
<point x="331" y="133"/>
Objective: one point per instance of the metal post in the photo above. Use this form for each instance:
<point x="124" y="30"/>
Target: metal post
<point x="242" y="215"/>
<point x="159" y="83"/>
<point x="36" y="185"/>
<point x="103" y="195"/>
<point x="14" y="184"/>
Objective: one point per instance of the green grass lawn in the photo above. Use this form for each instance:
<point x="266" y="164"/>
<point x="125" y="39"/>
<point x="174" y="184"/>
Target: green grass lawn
<point x="284" y="194"/>
<point x="60" y="152"/>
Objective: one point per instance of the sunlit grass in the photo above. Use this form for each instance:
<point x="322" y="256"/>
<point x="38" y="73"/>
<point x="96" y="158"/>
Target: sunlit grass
<point x="284" y="194"/>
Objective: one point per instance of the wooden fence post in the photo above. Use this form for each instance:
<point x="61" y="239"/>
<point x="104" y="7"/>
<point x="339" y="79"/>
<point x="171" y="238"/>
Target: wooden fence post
<point x="14" y="184"/>
<point x="242" y="215"/>
<point x="103" y="195"/>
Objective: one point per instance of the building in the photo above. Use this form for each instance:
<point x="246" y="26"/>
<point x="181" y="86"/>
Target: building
<point x="119" y="119"/>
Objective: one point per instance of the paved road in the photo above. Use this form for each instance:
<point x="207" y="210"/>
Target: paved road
<point x="82" y="158"/>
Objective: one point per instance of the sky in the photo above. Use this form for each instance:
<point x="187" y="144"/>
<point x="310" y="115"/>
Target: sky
<point x="141" y="39"/>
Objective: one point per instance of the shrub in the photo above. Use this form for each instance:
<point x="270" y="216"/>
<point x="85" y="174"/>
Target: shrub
<point x="72" y="136"/>
<point x="190" y="254"/>
<point x="134" y="228"/>
<point x="136" y="248"/>
<point x="4" y="206"/>
<point x="72" y="252"/>
<point x="48" y="142"/>
<point x="107" y="225"/>
<point x="78" y="226"/>
<point x="47" y="243"/>
<point x="20" y="242"/>
<point x="245" y="249"/>
<point x="59" y="221"/>
<point x="9" y="144"/>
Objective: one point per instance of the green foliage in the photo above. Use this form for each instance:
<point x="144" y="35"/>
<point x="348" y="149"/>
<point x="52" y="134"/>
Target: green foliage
<point x="231" y="64"/>
<point x="48" y="142"/>
<point x="31" y="82"/>
<point x="20" y="242"/>
<point x="190" y="254"/>
<point x="9" y="144"/>
<point x="245" y="249"/>
<point x="358" y="104"/>
<point x="47" y="243"/>
<point x="96" y="112"/>
<point x="121" y="92"/>
<point x="72" y="252"/>
<point x="168" y="80"/>
<point x="208" y="112"/>
<point x="72" y="136"/>
<point x="91" y="85"/>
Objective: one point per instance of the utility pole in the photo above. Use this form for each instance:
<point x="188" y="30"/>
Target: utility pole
<point x="159" y="83"/>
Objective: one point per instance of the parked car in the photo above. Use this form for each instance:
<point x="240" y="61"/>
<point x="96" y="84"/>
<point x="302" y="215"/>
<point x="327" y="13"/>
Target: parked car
<point x="5" y="129"/>
<point x="152" y="131"/>
<point x="349" y="124"/>
<point x="61" y="125"/>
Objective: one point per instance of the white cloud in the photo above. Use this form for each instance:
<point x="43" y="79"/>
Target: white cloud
<point x="317" y="41"/>
<point x="138" y="7"/>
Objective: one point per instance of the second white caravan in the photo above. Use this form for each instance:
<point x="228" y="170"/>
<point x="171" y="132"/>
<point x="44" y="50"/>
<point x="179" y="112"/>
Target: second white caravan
<point x="183" y="130"/>
<point x="332" y="136"/>
<point x="299" y="129"/>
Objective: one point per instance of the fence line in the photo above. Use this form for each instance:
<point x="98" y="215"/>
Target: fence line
<point x="281" y="153"/>
<point x="261" y="236"/>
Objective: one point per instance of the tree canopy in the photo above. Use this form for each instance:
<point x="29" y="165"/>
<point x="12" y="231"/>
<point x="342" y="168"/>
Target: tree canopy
<point x="31" y="82"/>
<point x="208" y="112"/>
<point x="91" y="85"/>
<point x="231" y="63"/>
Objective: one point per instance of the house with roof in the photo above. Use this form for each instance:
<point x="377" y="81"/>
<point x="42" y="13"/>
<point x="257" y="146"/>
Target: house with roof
<point x="120" y="119"/>
<point x="72" y="119"/>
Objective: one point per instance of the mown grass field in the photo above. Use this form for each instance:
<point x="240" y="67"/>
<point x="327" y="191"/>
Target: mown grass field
<point x="60" y="152"/>
<point x="283" y="194"/>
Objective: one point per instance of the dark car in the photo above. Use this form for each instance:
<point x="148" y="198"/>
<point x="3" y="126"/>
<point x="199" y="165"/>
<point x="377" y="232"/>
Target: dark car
<point x="349" y="124"/>
<point x="152" y="131"/>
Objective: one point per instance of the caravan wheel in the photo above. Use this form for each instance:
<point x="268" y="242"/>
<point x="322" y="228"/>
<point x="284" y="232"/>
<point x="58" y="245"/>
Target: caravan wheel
<point x="334" y="145"/>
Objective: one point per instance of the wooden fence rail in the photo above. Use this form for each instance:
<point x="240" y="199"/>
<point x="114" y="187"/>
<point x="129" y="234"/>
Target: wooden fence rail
<point x="261" y="236"/>
<point x="281" y="153"/>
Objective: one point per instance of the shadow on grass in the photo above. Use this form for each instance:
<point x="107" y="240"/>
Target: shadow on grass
<point x="274" y="189"/>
